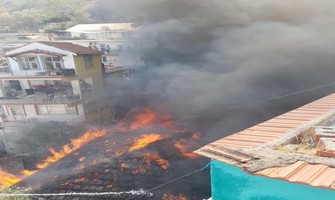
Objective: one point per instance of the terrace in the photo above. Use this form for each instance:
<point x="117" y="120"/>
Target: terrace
<point x="41" y="94"/>
<point x="40" y="98"/>
<point x="10" y="74"/>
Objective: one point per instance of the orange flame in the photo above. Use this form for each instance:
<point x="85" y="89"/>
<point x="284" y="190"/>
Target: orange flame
<point x="183" y="149"/>
<point x="66" y="150"/>
<point x="144" y="119"/>
<point x="144" y="141"/>
<point x="7" y="179"/>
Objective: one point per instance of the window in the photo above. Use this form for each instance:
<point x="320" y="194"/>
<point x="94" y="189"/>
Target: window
<point x="88" y="61"/>
<point x="28" y="62"/>
<point x="16" y="110"/>
<point x="109" y="59"/>
<point x="55" y="110"/>
<point x="104" y="59"/>
<point x="52" y="62"/>
<point x="86" y="84"/>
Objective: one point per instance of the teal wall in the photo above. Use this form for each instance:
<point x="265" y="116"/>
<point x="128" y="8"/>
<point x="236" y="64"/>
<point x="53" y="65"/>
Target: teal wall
<point x="232" y="183"/>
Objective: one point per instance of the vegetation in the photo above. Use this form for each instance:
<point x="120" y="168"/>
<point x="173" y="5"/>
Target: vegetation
<point x="11" y="190"/>
<point x="49" y="15"/>
<point x="47" y="135"/>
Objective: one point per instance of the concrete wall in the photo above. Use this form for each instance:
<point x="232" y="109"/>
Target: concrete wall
<point x="232" y="183"/>
<point x="94" y="72"/>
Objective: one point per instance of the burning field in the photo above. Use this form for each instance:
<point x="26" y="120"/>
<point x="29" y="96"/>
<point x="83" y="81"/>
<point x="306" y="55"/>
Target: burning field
<point x="140" y="152"/>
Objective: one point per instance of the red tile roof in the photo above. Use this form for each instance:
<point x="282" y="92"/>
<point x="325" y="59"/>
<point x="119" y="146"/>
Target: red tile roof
<point x="275" y="130"/>
<point x="74" y="48"/>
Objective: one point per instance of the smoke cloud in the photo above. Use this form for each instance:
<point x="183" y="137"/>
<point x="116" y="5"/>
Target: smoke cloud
<point x="214" y="54"/>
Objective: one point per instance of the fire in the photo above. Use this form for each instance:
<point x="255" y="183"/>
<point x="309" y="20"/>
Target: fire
<point x="139" y="171"/>
<point x="67" y="149"/>
<point x="28" y="172"/>
<point x="144" y="119"/>
<point x="80" y="180"/>
<point x="8" y="179"/>
<point x="183" y="149"/>
<point x="173" y="197"/>
<point x="144" y="141"/>
<point x="154" y="157"/>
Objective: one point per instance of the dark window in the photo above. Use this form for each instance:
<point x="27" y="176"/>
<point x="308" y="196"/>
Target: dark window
<point x="29" y="62"/>
<point x="52" y="62"/>
<point x="88" y="61"/>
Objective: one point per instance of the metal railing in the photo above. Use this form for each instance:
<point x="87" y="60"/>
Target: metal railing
<point x="40" y="99"/>
<point x="39" y="73"/>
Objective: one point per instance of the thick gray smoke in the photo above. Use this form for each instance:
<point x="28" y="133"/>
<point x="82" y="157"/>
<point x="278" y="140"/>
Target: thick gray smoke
<point x="218" y="53"/>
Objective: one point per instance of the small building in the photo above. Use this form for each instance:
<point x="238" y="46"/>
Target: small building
<point x="119" y="43"/>
<point x="50" y="81"/>
<point x="289" y="157"/>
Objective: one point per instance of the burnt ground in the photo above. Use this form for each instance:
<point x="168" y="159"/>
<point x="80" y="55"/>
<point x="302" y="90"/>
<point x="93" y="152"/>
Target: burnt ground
<point x="96" y="168"/>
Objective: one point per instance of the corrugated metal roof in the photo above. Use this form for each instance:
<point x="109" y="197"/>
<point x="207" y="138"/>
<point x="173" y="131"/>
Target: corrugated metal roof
<point x="318" y="175"/>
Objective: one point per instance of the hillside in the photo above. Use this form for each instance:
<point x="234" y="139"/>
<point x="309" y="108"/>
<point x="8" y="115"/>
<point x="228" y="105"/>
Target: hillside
<point x="33" y="15"/>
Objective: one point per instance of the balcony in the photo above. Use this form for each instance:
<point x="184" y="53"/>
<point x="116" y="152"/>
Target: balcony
<point x="38" y="74"/>
<point x="41" y="98"/>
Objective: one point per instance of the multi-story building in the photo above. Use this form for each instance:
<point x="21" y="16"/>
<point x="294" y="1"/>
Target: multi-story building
<point x="50" y="81"/>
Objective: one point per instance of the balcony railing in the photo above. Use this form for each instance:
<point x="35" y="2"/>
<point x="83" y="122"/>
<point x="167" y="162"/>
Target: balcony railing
<point x="57" y="98"/>
<point x="36" y="73"/>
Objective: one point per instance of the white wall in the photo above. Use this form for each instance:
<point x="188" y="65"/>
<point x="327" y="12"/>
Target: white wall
<point x="68" y="59"/>
<point x="30" y="111"/>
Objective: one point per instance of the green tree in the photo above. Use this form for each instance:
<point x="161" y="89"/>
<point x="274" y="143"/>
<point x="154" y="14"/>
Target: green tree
<point x="12" y="190"/>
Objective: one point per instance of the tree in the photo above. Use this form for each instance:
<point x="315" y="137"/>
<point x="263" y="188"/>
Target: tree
<point x="12" y="190"/>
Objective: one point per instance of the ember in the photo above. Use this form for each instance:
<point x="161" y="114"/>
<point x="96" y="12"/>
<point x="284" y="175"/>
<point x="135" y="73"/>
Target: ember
<point x="139" y="171"/>
<point x="154" y="157"/>
<point x="173" y="197"/>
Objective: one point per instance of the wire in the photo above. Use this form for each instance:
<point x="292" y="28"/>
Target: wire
<point x="177" y="179"/>
<point x="132" y="192"/>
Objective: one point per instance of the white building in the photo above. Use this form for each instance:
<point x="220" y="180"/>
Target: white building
<point x="119" y="43"/>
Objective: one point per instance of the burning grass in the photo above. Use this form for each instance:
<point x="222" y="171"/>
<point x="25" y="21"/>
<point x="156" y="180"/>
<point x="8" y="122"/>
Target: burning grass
<point x="7" y="179"/>
<point x="132" y="142"/>
<point x="144" y="141"/>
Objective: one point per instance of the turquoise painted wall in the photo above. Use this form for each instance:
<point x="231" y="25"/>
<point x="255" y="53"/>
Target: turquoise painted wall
<point x="232" y="183"/>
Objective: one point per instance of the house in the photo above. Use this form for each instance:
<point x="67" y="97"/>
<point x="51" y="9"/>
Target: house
<point x="50" y="81"/>
<point x="289" y="157"/>
<point x="119" y="43"/>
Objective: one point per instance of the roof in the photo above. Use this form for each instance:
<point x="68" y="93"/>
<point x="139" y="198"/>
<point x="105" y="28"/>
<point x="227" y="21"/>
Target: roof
<point x="102" y="27"/>
<point x="35" y="51"/>
<point x="275" y="149"/>
<point x="74" y="48"/>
